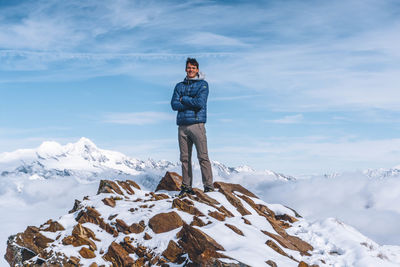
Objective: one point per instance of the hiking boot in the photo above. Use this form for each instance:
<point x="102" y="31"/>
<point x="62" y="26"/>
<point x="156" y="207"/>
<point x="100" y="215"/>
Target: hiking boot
<point x="186" y="190"/>
<point x="208" y="189"/>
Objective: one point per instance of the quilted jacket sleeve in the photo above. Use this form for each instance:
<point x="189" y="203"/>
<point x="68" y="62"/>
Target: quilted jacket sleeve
<point x="200" y="100"/>
<point x="175" y="103"/>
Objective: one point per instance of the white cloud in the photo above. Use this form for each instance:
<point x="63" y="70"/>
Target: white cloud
<point x="138" y="118"/>
<point x="290" y="119"/>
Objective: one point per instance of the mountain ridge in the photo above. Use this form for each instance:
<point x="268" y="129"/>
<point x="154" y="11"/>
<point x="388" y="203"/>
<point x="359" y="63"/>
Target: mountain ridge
<point x="124" y="225"/>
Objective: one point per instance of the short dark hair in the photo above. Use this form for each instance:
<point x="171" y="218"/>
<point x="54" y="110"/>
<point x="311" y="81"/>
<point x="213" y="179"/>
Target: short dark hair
<point x="192" y="61"/>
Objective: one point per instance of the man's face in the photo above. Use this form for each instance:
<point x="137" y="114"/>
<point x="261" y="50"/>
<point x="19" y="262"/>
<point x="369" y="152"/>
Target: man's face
<point x="191" y="71"/>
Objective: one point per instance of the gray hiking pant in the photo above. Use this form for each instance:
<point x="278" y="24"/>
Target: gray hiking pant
<point x="187" y="136"/>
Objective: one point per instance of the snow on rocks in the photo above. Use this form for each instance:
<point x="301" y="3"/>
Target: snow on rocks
<point x="124" y="225"/>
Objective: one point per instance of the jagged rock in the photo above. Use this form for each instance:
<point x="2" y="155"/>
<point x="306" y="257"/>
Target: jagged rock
<point x="118" y="255"/>
<point x="170" y="182"/>
<point x="107" y="186"/>
<point x="235" y="229"/>
<point x="122" y="226"/>
<point x="197" y="222"/>
<point x="275" y="247"/>
<point x="16" y="254"/>
<point x="200" y="247"/>
<point x="93" y="216"/>
<point x="186" y="206"/>
<point x="53" y="227"/>
<point x="291" y="242"/>
<point x="109" y="202"/>
<point x="127" y="186"/>
<point x="173" y="252"/>
<point x="228" y="189"/>
<point x="77" y="206"/>
<point x="217" y="215"/>
<point x="165" y="222"/>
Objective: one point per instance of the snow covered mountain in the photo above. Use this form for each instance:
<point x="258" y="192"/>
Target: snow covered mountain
<point x="85" y="161"/>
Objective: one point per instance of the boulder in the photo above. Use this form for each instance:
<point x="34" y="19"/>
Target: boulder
<point x="165" y="222"/>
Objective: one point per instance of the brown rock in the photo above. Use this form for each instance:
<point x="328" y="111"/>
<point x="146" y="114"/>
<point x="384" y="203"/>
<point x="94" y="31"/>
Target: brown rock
<point x="54" y="227"/>
<point x="246" y="221"/>
<point x="170" y="182"/>
<point x="197" y="222"/>
<point x="147" y="236"/>
<point x="195" y="243"/>
<point x="122" y="226"/>
<point x="234" y="187"/>
<point x="17" y="254"/>
<point x="286" y="217"/>
<point x="164" y="222"/>
<point x="74" y="260"/>
<point x="235" y="229"/>
<point x="118" y="255"/>
<point x="93" y="216"/>
<point x="159" y="196"/>
<point x="87" y="253"/>
<point x="271" y="263"/>
<point x="84" y="231"/>
<point x="291" y="242"/>
<point x="217" y="215"/>
<point x="107" y="186"/>
<point x="204" y="198"/>
<point x="77" y="206"/>
<point x="137" y="228"/>
<point x="173" y="252"/>
<point x="133" y="184"/>
<point x="127" y="187"/>
<point x="93" y="265"/>
<point x="109" y="201"/>
<point x="81" y="236"/>
<point x="303" y="264"/>
<point x="228" y="189"/>
<point x="184" y="205"/>
<point x="275" y="247"/>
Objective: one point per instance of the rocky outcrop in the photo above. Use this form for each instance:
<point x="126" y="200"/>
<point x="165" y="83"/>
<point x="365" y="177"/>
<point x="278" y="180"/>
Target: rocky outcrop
<point x="126" y="226"/>
<point x="170" y="182"/>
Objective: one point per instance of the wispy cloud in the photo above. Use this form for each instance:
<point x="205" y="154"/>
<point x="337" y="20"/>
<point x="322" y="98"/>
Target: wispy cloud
<point x="208" y="39"/>
<point x="138" y="118"/>
<point x="290" y="119"/>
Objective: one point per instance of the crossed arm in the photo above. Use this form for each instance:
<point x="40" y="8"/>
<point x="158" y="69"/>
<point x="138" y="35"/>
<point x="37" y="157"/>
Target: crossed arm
<point x="182" y="103"/>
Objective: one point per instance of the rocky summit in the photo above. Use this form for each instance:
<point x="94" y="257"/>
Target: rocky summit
<point x="124" y="225"/>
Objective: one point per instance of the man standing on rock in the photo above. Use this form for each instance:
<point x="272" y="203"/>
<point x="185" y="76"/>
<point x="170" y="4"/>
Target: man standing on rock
<point x="190" y="100"/>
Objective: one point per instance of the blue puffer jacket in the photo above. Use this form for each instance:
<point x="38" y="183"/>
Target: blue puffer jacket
<point x="190" y="100"/>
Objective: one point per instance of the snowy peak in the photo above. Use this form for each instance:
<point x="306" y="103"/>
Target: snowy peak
<point x="87" y="162"/>
<point x="124" y="225"/>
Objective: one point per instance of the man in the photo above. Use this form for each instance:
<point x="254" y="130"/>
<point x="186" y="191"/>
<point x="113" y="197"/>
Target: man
<point x="190" y="100"/>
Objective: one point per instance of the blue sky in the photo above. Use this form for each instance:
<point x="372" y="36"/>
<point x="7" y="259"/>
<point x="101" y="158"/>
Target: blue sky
<point x="297" y="87"/>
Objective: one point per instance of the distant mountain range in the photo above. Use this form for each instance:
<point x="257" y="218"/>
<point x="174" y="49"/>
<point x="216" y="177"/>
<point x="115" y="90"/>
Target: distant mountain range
<point x="83" y="160"/>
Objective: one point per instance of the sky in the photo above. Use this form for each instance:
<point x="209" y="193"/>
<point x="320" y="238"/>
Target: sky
<point x="298" y="87"/>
